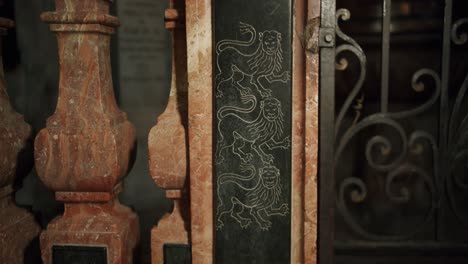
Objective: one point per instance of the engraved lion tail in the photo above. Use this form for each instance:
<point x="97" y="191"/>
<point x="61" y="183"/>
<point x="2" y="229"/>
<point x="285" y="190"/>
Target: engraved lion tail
<point x="244" y="29"/>
<point x="234" y="110"/>
<point x="237" y="178"/>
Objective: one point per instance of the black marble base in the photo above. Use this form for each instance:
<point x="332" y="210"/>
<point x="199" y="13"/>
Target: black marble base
<point x="177" y="254"/>
<point x="79" y="255"/>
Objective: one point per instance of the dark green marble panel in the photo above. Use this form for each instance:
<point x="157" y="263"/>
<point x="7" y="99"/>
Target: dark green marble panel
<point x="252" y="62"/>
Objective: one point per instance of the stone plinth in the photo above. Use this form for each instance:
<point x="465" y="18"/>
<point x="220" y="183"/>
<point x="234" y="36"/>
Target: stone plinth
<point x="110" y="225"/>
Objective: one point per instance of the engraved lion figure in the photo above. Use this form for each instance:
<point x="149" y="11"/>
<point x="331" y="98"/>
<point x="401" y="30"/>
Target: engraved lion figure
<point x="259" y="195"/>
<point x="253" y="59"/>
<point x="263" y="132"/>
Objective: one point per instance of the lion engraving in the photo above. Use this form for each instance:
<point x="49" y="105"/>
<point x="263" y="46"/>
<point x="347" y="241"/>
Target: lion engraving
<point x="265" y="131"/>
<point x="235" y="195"/>
<point x="264" y="62"/>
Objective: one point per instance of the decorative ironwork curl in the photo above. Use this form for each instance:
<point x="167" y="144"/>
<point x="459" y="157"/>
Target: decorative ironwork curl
<point x="418" y="85"/>
<point x="359" y="193"/>
<point x="461" y="156"/>
<point x="455" y="180"/>
<point x="342" y="64"/>
<point x="404" y="195"/>
<point x="357" y="110"/>
<point x="462" y="133"/>
<point x="420" y="135"/>
<point x="456" y="131"/>
<point x="384" y="143"/>
<point x="457" y="37"/>
<point x="385" y="150"/>
<point x="458" y="152"/>
<point x="354" y="48"/>
<point x="344" y="15"/>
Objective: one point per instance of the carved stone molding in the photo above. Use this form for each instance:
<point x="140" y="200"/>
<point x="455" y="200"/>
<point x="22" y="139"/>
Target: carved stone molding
<point x="88" y="144"/>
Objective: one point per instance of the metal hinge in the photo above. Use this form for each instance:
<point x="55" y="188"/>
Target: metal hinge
<point x="326" y="37"/>
<point x="316" y="37"/>
<point x="310" y="36"/>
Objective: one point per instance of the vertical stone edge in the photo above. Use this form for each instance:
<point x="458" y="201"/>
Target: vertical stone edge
<point x="298" y="142"/>
<point x="200" y="111"/>
<point x="311" y="144"/>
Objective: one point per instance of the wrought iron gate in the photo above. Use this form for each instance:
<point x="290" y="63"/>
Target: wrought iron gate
<point x="393" y="131"/>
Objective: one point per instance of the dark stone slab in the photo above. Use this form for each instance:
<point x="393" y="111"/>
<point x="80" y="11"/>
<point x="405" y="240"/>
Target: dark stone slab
<point x="253" y="130"/>
<point x="177" y="254"/>
<point x="79" y="255"/>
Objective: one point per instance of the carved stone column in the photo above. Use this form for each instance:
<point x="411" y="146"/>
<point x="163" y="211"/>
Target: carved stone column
<point x="168" y="148"/>
<point x="88" y="144"/>
<point x="14" y="134"/>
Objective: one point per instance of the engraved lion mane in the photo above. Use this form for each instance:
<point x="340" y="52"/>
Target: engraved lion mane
<point x="265" y="127"/>
<point x="263" y="195"/>
<point x="264" y="61"/>
<point x="268" y="124"/>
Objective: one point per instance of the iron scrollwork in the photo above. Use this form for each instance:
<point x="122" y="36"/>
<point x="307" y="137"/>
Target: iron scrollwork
<point x="457" y="150"/>
<point x="381" y="151"/>
<point x="457" y="37"/>
<point x="392" y="160"/>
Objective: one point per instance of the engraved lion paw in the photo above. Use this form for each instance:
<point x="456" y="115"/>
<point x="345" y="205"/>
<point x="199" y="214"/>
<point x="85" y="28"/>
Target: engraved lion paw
<point x="285" y="76"/>
<point x="284" y="209"/>
<point x="286" y="143"/>
<point x="265" y="225"/>
<point x="219" y="159"/>
<point x="265" y="93"/>
<point x="245" y="92"/>
<point x="268" y="158"/>
<point x="244" y="223"/>
<point x="247" y="158"/>
<point x="219" y="93"/>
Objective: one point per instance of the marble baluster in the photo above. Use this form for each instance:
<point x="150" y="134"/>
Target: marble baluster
<point x="168" y="143"/>
<point x="88" y="144"/>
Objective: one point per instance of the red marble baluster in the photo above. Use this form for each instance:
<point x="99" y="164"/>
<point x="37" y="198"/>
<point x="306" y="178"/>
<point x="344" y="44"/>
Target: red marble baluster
<point x="167" y="143"/>
<point x="14" y="134"/>
<point x="88" y="144"/>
